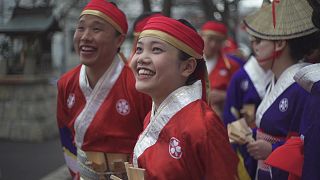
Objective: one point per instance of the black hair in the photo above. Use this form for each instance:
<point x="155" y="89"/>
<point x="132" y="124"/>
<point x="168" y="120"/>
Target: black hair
<point x="187" y="23"/>
<point x="113" y="3"/>
<point x="143" y="16"/>
<point x="316" y="18"/>
<point x="305" y="45"/>
<point x="315" y="4"/>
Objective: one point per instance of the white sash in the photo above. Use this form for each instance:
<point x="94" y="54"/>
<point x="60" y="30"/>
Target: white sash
<point x="276" y="89"/>
<point x="259" y="77"/>
<point x="307" y="76"/>
<point x="95" y="97"/>
<point x="167" y="109"/>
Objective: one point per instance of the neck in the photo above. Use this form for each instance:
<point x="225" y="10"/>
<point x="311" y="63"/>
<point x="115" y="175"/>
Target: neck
<point x="282" y="63"/>
<point x="157" y="102"/>
<point x="159" y="98"/>
<point x="94" y="73"/>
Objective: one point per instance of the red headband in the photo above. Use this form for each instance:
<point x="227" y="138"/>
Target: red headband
<point x="182" y="37"/>
<point x="216" y="28"/>
<point x="139" y="26"/>
<point x="109" y="13"/>
<point x="176" y="34"/>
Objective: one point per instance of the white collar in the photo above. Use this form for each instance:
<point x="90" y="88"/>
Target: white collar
<point x="178" y="99"/>
<point x="259" y="77"/>
<point x="276" y="89"/>
<point x="211" y="63"/>
<point x="95" y="97"/>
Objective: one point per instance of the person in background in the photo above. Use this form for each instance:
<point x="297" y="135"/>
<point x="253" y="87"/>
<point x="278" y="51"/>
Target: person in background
<point x="183" y="138"/>
<point x="309" y="79"/>
<point x="99" y="112"/>
<point x="244" y="94"/>
<point x="283" y="33"/>
<point x="219" y="66"/>
<point x="300" y="156"/>
<point x="233" y="52"/>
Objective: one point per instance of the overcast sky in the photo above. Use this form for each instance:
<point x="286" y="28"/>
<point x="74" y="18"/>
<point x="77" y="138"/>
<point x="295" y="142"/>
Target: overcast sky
<point x="251" y="3"/>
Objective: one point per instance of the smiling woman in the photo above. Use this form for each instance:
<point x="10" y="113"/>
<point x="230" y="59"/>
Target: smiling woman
<point x="183" y="138"/>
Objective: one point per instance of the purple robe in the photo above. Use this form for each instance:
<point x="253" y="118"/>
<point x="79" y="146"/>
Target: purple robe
<point x="247" y="86"/>
<point x="279" y="114"/>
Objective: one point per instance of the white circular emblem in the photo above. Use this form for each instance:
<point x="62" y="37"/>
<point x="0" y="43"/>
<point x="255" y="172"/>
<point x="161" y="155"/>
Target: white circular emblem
<point x="175" y="148"/>
<point x="71" y="100"/>
<point x="223" y="72"/>
<point x="283" y="105"/>
<point x="244" y="85"/>
<point x="123" y="107"/>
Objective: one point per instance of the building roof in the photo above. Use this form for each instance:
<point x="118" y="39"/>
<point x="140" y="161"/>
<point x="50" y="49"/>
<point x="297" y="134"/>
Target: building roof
<point x="31" y="20"/>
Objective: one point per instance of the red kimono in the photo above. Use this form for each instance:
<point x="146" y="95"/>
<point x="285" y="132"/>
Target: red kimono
<point x="222" y="72"/>
<point x="185" y="139"/>
<point x="108" y="118"/>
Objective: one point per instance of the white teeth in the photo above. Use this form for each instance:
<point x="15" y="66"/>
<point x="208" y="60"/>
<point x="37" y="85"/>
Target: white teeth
<point x="87" y="48"/>
<point x="145" y="72"/>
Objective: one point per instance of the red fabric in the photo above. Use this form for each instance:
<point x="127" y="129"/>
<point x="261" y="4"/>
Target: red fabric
<point x="111" y="11"/>
<point x="178" y="30"/>
<point x="288" y="157"/>
<point x="221" y="75"/>
<point x="215" y="27"/>
<point x="206" y="152"/>
<point x="140" y="25"/>
<point x="230" y="46"/>
<point x="109" y="131"/>
<point x="293" y="177"/>
<point x="274" y="18"/>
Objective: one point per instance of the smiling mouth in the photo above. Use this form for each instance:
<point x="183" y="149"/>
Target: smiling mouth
<point x="87" y="49"/>
<point x="145" y="72"/>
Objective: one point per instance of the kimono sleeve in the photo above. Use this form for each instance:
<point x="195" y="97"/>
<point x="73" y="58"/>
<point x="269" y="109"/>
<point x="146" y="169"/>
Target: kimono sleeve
<point x="219" y="160"/>
<point x="66" y="137"/>
<point x="233" y="99"/>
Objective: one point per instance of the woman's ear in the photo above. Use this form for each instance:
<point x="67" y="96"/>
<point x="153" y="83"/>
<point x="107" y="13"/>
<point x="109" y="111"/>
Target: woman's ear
<point x="280" y="45"/>
<point x="188" y="67"/>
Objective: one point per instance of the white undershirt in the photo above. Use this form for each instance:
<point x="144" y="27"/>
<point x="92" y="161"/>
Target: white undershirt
<point x="211" y="63"/>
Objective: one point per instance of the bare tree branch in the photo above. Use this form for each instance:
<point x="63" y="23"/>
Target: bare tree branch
<point x="208" y="8"/>
<point x="166" y="10"/>
<point x="146" y="6"/>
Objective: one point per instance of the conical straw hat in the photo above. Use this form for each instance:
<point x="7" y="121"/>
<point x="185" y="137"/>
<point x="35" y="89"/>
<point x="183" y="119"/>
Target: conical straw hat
<point x="292" y="20"/>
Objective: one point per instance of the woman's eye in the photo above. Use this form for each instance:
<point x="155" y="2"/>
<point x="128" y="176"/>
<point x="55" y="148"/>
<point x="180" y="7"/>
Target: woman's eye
<point x="138" y="50"/>
<point x="157" y="50"/>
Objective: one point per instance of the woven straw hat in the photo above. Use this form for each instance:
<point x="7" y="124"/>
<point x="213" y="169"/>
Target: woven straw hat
<point x="289" y="19"/>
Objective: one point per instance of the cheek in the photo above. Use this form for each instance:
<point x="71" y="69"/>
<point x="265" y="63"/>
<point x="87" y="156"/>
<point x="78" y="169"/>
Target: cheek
<point x="133" y="61"/>
<point x="76" y="40"/>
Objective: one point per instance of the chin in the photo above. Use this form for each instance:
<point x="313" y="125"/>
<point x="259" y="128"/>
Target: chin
<point x="87" y="62"/>
<point x="143" y="88"/>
